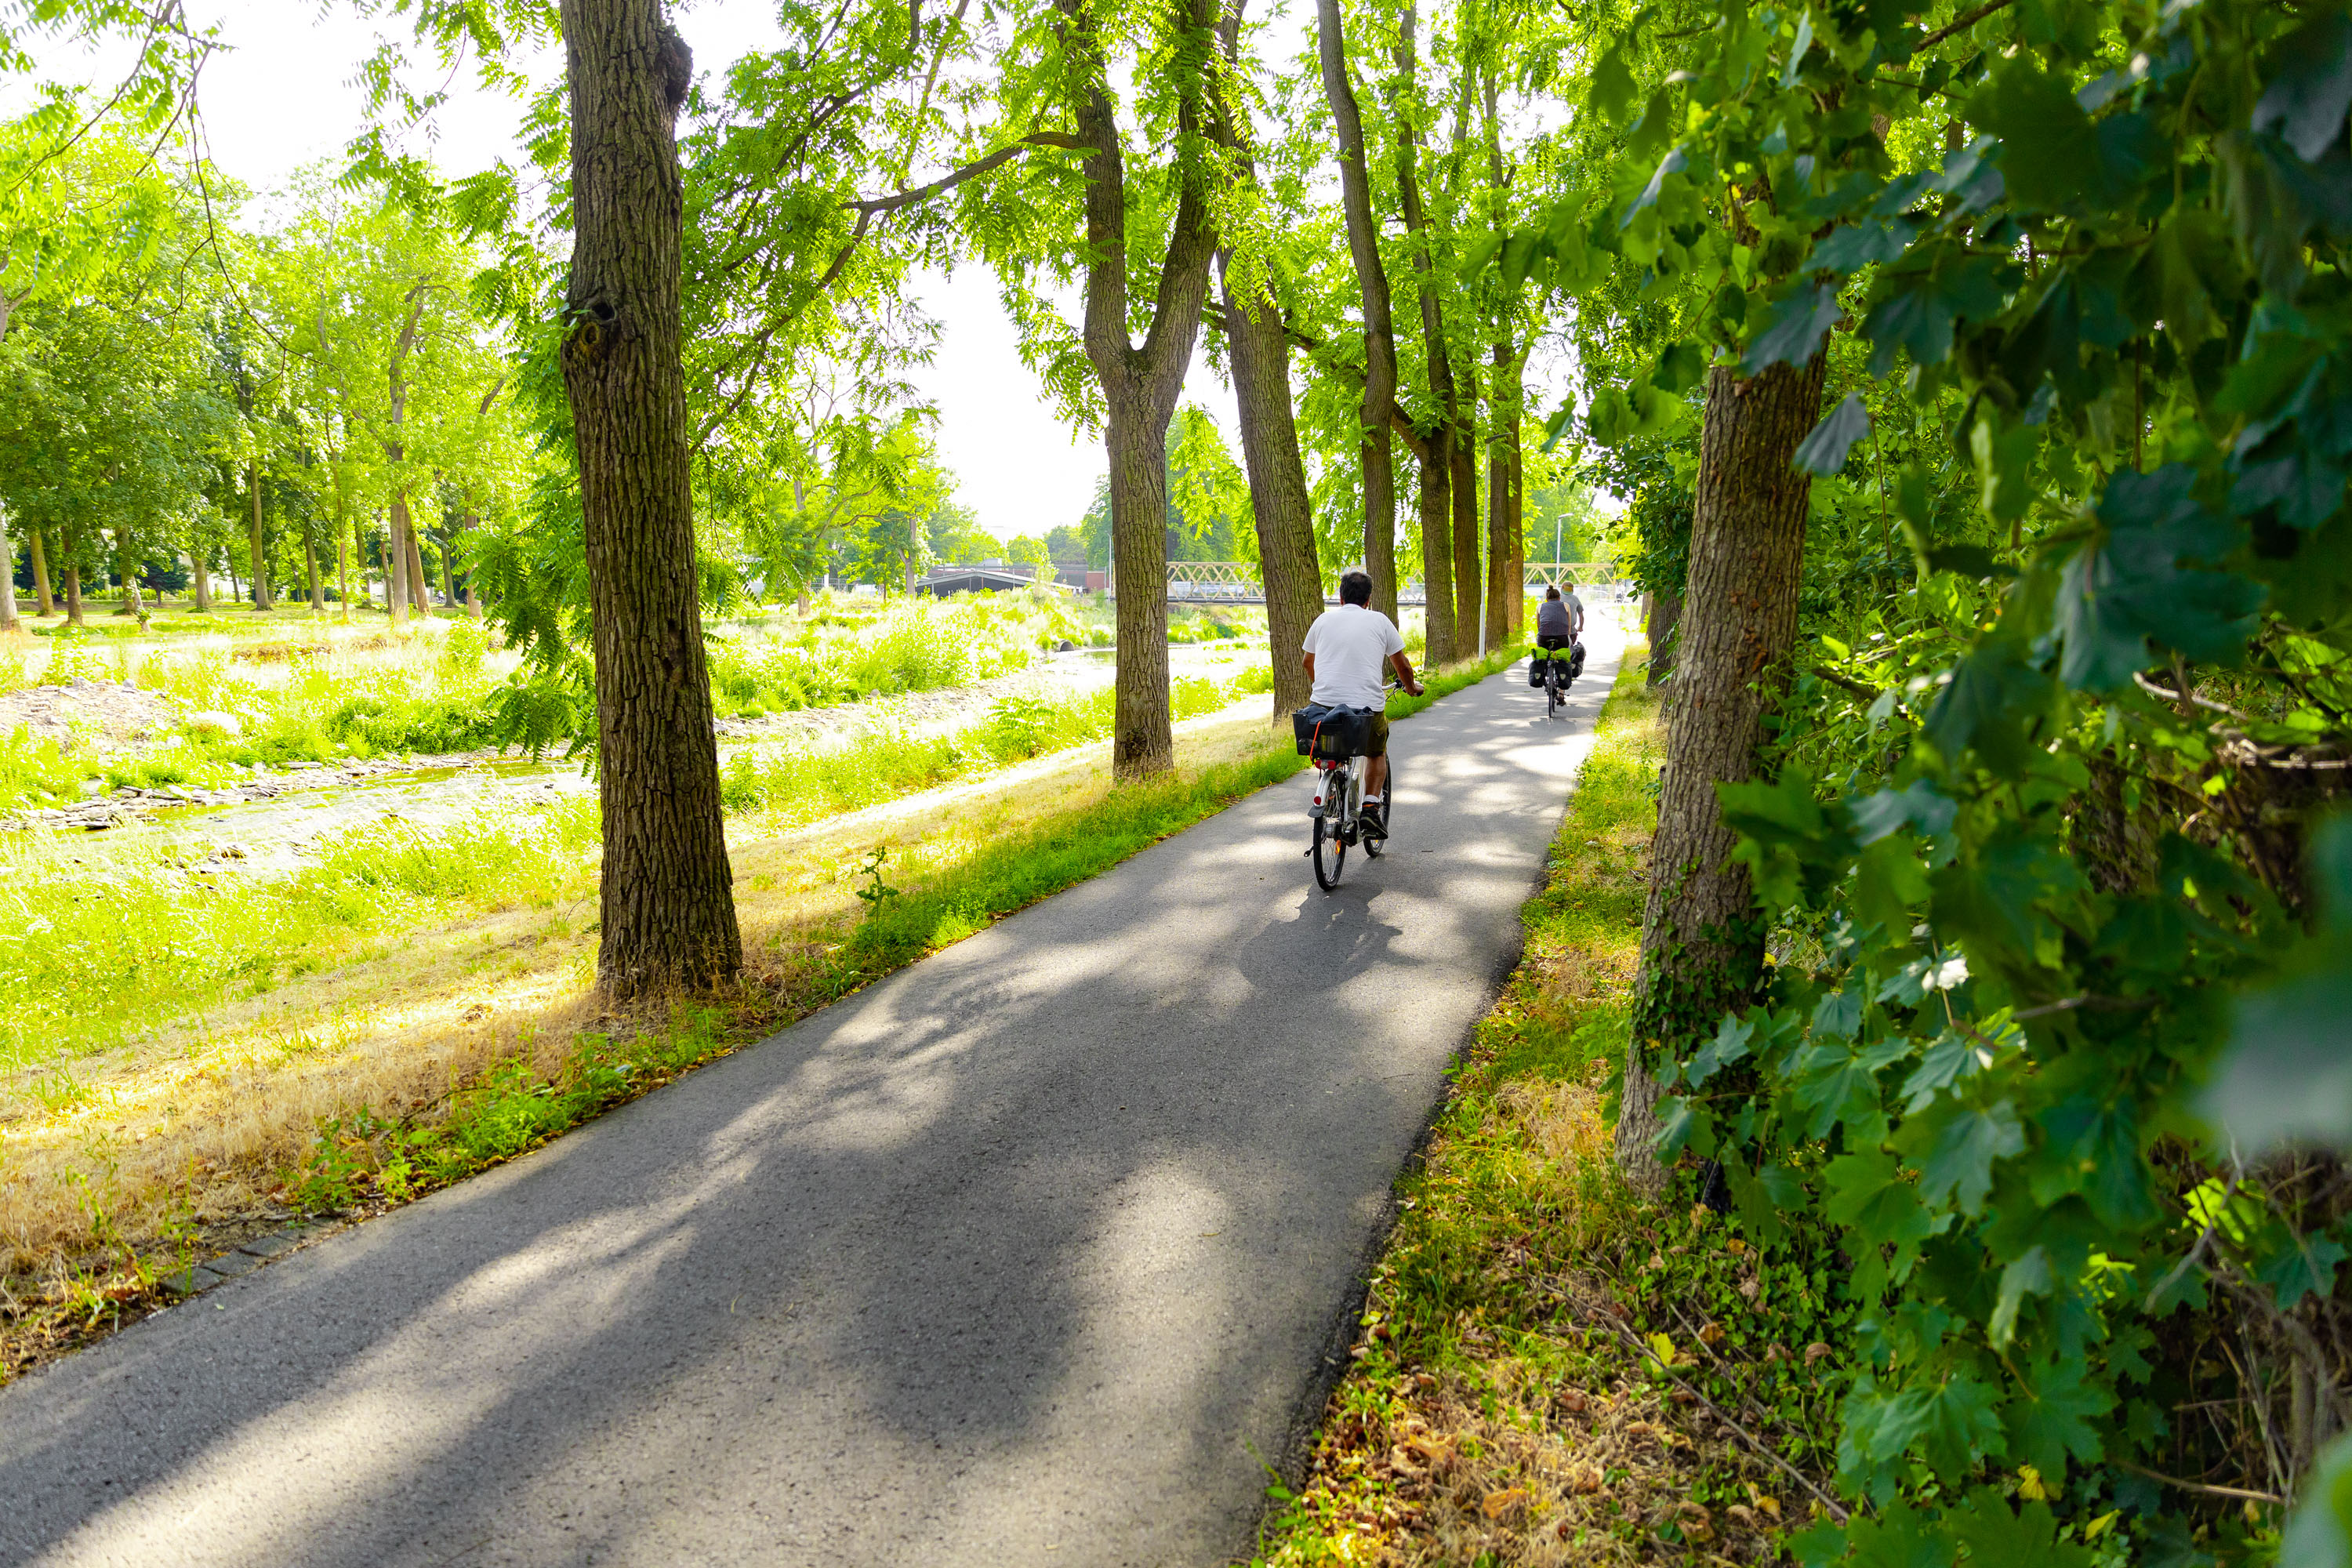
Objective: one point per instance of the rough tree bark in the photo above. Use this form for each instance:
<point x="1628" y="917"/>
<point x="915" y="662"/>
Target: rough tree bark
<point x="1260" y="360"/>
<point x="420" y="587"/>
<point x="1505" y="600"/>
<point x="1467" y="625"/>
<point x="311" y="566"/>
<point x="200" y="581"/>
<point x="1455" y="560"/>
<point x="668" y="895"/>
<point x="73" y="581"/>
<point x="1702" y="946"/>
<point x="395" y="578"/>
<point x="404" y="582"/>
<point x="1140" y="385"/>
<point x="1666" y="614"/>
<point x="1378" y="410"/>
<point x="1506" y="593"/>
<point x="1435" y="509"/>
<point x="343" y="551"/>
<point x="1277" y="479"/>
<point x="42" y="596"/>
<point x="261" y="600"/>
<point x="130" y="571"/>
<point x="8" y="580"/>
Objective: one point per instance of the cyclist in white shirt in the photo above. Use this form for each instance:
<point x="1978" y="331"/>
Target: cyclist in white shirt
<point x="1348" y="652"/>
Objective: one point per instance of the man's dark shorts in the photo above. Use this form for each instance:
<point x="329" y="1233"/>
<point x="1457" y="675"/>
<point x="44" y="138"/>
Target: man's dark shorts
<point x="1376" y="743"/>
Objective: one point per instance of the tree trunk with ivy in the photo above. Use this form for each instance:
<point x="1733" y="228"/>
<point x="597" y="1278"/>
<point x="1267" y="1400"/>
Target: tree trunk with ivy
<point x="668" y="899"/>
<point x="1702" y="940"/>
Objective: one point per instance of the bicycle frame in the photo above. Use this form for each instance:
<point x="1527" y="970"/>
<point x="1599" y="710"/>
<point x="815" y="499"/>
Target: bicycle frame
<point x="1339" y="797"/>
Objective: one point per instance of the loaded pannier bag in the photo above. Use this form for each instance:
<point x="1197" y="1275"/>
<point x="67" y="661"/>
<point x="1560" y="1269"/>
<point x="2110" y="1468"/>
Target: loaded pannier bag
<point x="1535" y="668"/>
<point x="1576" y="664"/>
<point x="1332" y="734"/>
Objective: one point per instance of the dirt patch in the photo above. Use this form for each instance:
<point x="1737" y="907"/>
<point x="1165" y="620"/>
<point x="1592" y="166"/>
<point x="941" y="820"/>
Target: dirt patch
<point x="89" y="715"/>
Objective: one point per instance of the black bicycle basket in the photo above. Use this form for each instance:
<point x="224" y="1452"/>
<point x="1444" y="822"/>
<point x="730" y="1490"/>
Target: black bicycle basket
<point x="1333" y="734"/>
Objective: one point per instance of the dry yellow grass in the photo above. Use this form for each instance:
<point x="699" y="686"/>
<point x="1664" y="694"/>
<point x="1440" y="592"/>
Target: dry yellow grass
<point x="191" y="1128"/>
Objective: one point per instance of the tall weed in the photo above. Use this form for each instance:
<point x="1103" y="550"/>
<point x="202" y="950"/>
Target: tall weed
<point x="86" y="955"/>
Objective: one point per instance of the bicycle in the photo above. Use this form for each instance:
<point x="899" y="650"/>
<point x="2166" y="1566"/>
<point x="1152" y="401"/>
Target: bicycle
<point x="1558" y="674"/>
<point x="1335" y="740"/>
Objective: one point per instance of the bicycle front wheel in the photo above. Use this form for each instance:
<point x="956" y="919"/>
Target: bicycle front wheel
<point x="1330" y="856"/>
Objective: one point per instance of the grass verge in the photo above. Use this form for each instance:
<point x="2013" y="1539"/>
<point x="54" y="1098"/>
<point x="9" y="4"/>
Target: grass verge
<point x="359" y="1088"/>
<point x="1545" y="1370"/>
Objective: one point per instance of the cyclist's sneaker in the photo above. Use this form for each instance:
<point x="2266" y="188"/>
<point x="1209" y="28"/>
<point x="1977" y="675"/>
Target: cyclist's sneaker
<point x="1374" y="819"/>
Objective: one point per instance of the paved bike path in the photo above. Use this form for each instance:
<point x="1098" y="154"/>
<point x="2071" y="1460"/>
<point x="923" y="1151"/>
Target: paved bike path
<point x="1029" y="1254"/>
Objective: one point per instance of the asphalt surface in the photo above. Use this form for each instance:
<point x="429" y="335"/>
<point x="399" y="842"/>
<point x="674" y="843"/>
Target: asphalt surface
<point x="1030" y="1254"/>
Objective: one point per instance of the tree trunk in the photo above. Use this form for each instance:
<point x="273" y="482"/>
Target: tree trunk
<point x="1467" y="625"/>
<point x="668" y="895"/>
<point x="1140" y="385"/>
<point x="73" y="585"/>
<point x="420" y="592"/>
<point x="41" y="594"/>
<point x="1443" y="645"/>
<point x="261" y="554"/>
<point x="8" y="580"/>
<point x="1702" y="944"/>
<point x="1379" y="406"/>
<point x="394" y="560"/>
<point x="1450" y="564"/>
<point x="1259" y="356"/>
<point x="1143" y="741"/>
<point x="200" y="581"/>
<point x="1665" y="614"/>
<point x="473" y="591"/>
<point x="1505" y="598"/>
<point x="130" y="570"/>
<point x="1260" y="360"/>
<point x="311" y="565"/>
<point x="342" y="559"/>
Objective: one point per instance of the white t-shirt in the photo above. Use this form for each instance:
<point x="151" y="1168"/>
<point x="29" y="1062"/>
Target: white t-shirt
<point x="1351" y="645"/>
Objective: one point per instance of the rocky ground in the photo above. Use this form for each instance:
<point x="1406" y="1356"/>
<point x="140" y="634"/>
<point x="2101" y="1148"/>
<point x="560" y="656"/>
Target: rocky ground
<point x="252" y="821"/>
<point x="108" y="715"/>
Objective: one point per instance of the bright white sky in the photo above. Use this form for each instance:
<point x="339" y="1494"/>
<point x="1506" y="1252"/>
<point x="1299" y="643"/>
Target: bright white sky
<point x="285" y="98"/>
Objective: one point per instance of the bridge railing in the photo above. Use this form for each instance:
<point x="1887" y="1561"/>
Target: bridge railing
<point x="1240" y="581"/>
<point x="1196" y="581"/>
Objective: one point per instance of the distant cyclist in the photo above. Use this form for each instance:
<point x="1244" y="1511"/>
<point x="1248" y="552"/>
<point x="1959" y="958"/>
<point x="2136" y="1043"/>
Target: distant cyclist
<point x="1349" y="651"/>
<point x="1560" y="622"/>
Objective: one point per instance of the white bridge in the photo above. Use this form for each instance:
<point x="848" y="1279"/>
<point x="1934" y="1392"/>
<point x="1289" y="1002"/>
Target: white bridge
<point x="1240" y="581"/>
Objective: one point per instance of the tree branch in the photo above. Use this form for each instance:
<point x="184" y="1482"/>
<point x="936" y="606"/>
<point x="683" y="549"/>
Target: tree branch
<point x="878" y="206"/>
<point x="1962" y="26"/>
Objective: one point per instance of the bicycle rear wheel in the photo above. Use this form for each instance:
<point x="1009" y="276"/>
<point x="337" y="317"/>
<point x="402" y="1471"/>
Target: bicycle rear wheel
<point x="1374" y="847"/>
<point x="1330" y="856"/>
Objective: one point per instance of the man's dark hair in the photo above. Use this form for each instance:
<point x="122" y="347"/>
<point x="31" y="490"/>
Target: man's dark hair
<point x="1551" y="593"/>
<point x="1355" y="587"/>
